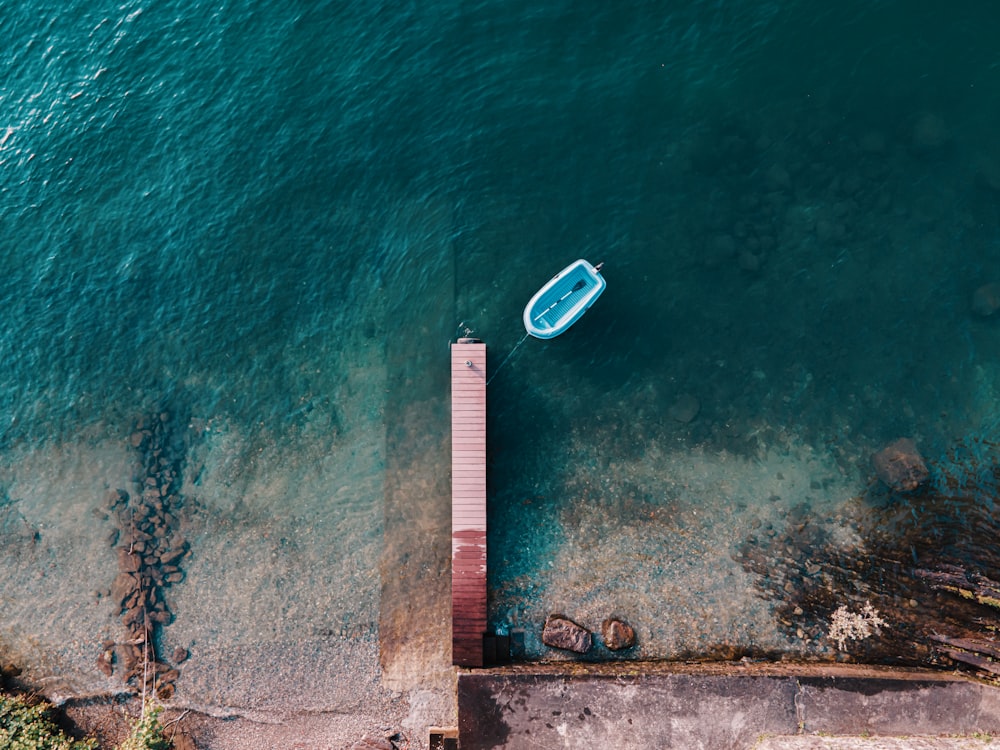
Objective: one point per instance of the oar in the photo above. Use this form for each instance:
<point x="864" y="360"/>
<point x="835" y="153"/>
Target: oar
<point x="576" y="288"/>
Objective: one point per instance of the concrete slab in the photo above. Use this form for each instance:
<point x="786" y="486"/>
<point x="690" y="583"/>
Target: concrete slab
<point x="813" y="742"/>
<point x="653" y="707"/>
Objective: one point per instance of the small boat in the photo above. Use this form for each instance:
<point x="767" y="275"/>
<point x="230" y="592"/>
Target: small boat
<point x="566" y="297"/>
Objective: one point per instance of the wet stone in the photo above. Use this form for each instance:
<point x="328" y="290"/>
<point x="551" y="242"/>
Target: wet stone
<point x="175" y="554"/>
<point x="617" y="634"/>
<point x="127" y="561"/>
<point x="900" y="466"/>
<point x="126" y="656"/>
<point x="104" y="663"/>
<point x="561" y="632"/>
<point x="122" y="587"/>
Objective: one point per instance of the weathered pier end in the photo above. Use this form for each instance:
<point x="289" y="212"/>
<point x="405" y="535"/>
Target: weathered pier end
<point x="468" y="502"/>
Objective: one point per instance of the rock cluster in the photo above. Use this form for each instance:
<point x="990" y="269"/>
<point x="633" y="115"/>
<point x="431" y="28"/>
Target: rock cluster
<point x="561" y="632"/>
<point x="150" y="551"/>
<point x="900" y="466"/>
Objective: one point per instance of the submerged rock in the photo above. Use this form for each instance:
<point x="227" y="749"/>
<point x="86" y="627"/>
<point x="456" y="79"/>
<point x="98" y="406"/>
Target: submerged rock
<point x="900" y="466"/>
<point x="104" y="662"/>
<point x="561" y="632"/>
<point x="986" y="300"/>
<point x="684" y="409"/>
<point x="617" y="634"/>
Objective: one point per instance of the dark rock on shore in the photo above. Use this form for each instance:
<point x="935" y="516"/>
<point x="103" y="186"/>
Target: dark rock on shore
<point x="561" y="632"/>
<point x="900" y="466"/>
<point x="617" y="634"/>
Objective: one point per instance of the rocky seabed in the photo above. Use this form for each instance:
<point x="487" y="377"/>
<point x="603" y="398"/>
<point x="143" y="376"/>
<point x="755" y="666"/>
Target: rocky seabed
<point x="150" y="552"/>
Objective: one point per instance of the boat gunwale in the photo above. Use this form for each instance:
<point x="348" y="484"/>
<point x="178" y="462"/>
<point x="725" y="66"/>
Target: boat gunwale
<point x="569" y="317"/>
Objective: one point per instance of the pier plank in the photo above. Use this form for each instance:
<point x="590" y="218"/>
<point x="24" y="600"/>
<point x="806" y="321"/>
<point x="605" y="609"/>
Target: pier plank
<point x="468" y="514"/>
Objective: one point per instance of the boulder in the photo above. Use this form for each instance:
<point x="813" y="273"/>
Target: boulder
<point x="684" y="409"/>
<point x="561" y="632"/>
<point x="986" y="300"/>
<point x="617" y="634"/>
<point x="900" y="466"/>
<point x="128" y="562"/>
<point x="123" y="587"/>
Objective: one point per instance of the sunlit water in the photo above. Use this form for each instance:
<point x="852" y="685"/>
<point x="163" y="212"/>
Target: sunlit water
<point x="239" y="212"/>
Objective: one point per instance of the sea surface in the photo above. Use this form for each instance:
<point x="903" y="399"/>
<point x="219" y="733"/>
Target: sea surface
<point x="266" y="221"/>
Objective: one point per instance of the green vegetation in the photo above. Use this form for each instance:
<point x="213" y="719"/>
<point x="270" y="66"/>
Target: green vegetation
<point x="24" y="726"/>
<point x="29" y="725"/>
<point x="147" y="731"/>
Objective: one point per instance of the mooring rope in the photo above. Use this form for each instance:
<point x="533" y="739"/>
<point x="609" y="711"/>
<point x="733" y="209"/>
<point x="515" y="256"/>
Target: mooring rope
<point x="516" y="346"/>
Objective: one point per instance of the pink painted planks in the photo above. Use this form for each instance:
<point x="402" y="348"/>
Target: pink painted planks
<point x="468" y="502"/>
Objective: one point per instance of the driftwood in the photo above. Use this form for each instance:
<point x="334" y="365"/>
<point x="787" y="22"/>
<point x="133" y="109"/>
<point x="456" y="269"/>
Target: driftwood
<point x="970" y="644"/>
<point x="982" y="655"/>
<point x="969" y="586"/>
<point x="973" y="660"/>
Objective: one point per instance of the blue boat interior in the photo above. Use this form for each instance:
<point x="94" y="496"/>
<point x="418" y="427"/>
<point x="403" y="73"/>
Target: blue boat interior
<point x="562" y="297"/>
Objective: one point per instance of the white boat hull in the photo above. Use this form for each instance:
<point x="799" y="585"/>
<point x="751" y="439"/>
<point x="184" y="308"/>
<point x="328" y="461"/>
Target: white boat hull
<point x="563" y="300"/>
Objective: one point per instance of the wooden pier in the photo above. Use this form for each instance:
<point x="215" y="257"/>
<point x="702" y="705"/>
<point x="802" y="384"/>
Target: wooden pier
<point x="468" y="502"/>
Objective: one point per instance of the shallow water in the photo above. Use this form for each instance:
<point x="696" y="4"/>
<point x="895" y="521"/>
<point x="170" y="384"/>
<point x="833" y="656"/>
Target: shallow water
<point x="273" y="220"/>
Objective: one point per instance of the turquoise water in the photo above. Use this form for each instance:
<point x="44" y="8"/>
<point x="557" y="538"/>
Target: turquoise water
<point x="272" y="217"/>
